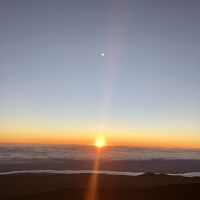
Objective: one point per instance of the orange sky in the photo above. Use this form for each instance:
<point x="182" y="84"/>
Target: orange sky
<point x="85" y="138"/>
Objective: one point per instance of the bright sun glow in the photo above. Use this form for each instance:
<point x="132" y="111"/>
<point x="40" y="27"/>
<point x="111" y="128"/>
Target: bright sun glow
<point x="100" y="143"/>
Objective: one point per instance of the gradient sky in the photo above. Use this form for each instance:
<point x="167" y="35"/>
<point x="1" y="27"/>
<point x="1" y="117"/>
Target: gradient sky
<point x="56" y="88"/>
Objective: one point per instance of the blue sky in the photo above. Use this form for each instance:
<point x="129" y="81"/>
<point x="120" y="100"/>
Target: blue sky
<point x="52" y="72"/>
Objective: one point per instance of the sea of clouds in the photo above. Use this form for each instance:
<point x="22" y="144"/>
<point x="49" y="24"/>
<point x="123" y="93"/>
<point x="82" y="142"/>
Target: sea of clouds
<point x="192" y="174"/>
<point x="77" y="152"/>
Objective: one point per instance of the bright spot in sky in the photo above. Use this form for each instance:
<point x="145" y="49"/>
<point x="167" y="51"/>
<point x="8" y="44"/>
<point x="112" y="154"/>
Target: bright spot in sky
<point x="100" y="143"/>
<point x="102" y="54"/>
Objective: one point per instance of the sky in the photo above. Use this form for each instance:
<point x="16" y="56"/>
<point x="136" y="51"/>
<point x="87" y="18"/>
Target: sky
<point x="55" y="87"/>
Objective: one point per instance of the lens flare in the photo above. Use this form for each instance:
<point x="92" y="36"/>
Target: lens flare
<point x="102" y="54"/>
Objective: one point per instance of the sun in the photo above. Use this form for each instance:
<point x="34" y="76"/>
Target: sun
<point x="100" y="142"/>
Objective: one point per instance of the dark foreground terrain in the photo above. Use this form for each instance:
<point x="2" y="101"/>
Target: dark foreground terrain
<point x="50" y="186"/>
